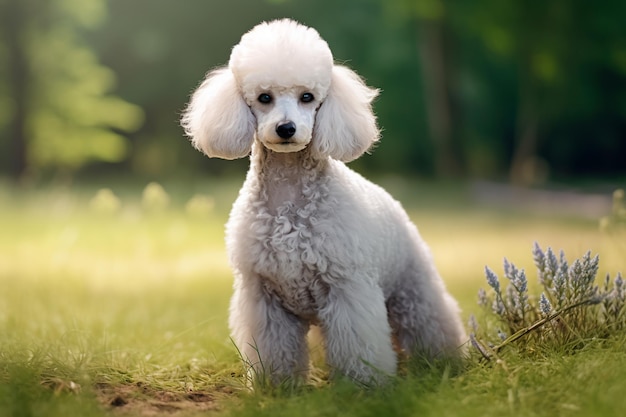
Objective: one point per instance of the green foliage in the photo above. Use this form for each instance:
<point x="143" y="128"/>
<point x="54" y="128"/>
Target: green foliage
<point x="70" y="118"/>
<point x="74" y="120"/>
<point x="551" y="73"/>
<point x="570" y="311"/>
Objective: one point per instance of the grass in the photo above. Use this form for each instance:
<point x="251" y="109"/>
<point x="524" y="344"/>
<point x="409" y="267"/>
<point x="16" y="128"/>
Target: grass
<point x="114" y="308"/>
<point x="550" y="385"/>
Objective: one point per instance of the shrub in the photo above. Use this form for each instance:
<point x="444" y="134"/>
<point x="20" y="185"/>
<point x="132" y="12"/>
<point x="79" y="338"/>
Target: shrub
<point x="571" y="309"/>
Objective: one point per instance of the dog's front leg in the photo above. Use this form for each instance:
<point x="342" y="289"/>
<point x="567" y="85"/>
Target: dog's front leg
<point x="272" y="341"/>
<point x="358" y="336"/>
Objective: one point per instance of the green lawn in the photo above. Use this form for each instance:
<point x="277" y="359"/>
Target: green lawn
<point x="111" y="307"/>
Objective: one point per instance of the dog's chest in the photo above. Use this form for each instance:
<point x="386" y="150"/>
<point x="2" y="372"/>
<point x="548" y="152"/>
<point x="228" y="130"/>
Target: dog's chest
<point x="302" y="297"/>
<point x="282" y="224"/>
<point x="289" y="253"/>
<point x="291" y="258"/>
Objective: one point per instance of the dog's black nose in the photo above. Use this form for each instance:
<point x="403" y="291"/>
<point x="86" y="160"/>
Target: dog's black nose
<point x="286" y="130"/>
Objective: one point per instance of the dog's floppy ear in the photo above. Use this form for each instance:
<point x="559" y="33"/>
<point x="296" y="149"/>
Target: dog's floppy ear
<point x="217" y="119"/>
<point x="345" y="125"/>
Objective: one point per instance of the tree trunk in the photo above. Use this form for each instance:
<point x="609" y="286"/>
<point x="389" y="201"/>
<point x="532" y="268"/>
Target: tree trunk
<point x="523" y="169"/>
<point x="440" y="112"/>
<point x="18" y="76"/>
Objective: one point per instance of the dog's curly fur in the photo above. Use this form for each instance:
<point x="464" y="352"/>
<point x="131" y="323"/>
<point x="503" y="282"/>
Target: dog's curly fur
<point x="311" y="241"/>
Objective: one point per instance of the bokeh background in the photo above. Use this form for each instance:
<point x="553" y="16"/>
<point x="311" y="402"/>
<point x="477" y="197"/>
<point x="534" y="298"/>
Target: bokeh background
<point x="526" y="91"/>
<point x="504" y="124"/>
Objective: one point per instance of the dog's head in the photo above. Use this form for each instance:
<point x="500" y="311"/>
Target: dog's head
<point x="282" y="87"/>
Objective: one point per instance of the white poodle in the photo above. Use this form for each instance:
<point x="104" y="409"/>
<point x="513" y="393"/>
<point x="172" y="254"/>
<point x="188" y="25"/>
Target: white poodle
<point x="312" y="242"/>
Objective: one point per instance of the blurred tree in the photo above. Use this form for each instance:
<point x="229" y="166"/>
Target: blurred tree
<point x="54" y="99"/>
<point x="523" y="86"/>
<point x="560" y="57"/>
<point x="532" y="36"/>
<point x="160" y="51"/>
<point x="434" y="41"/>
<point x="485" y="89"/>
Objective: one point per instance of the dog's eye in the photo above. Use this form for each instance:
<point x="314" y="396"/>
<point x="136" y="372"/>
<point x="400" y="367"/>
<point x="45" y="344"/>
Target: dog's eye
<point x="264" y="98"/>
<point x="307" y="98"/>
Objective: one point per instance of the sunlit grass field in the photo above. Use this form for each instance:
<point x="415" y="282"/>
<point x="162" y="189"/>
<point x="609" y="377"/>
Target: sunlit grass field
<point x="115" y="303"/>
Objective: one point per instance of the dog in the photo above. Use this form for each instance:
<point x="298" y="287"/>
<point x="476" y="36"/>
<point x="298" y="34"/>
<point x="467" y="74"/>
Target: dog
<point x="310" y="241"/>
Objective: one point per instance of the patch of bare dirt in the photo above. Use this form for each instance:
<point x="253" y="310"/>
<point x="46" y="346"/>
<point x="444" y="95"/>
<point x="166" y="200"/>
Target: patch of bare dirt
<point x="141" y="400"/>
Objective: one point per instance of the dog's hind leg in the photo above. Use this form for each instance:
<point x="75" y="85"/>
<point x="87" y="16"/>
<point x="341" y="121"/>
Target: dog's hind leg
<point x="424" y="317"/>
